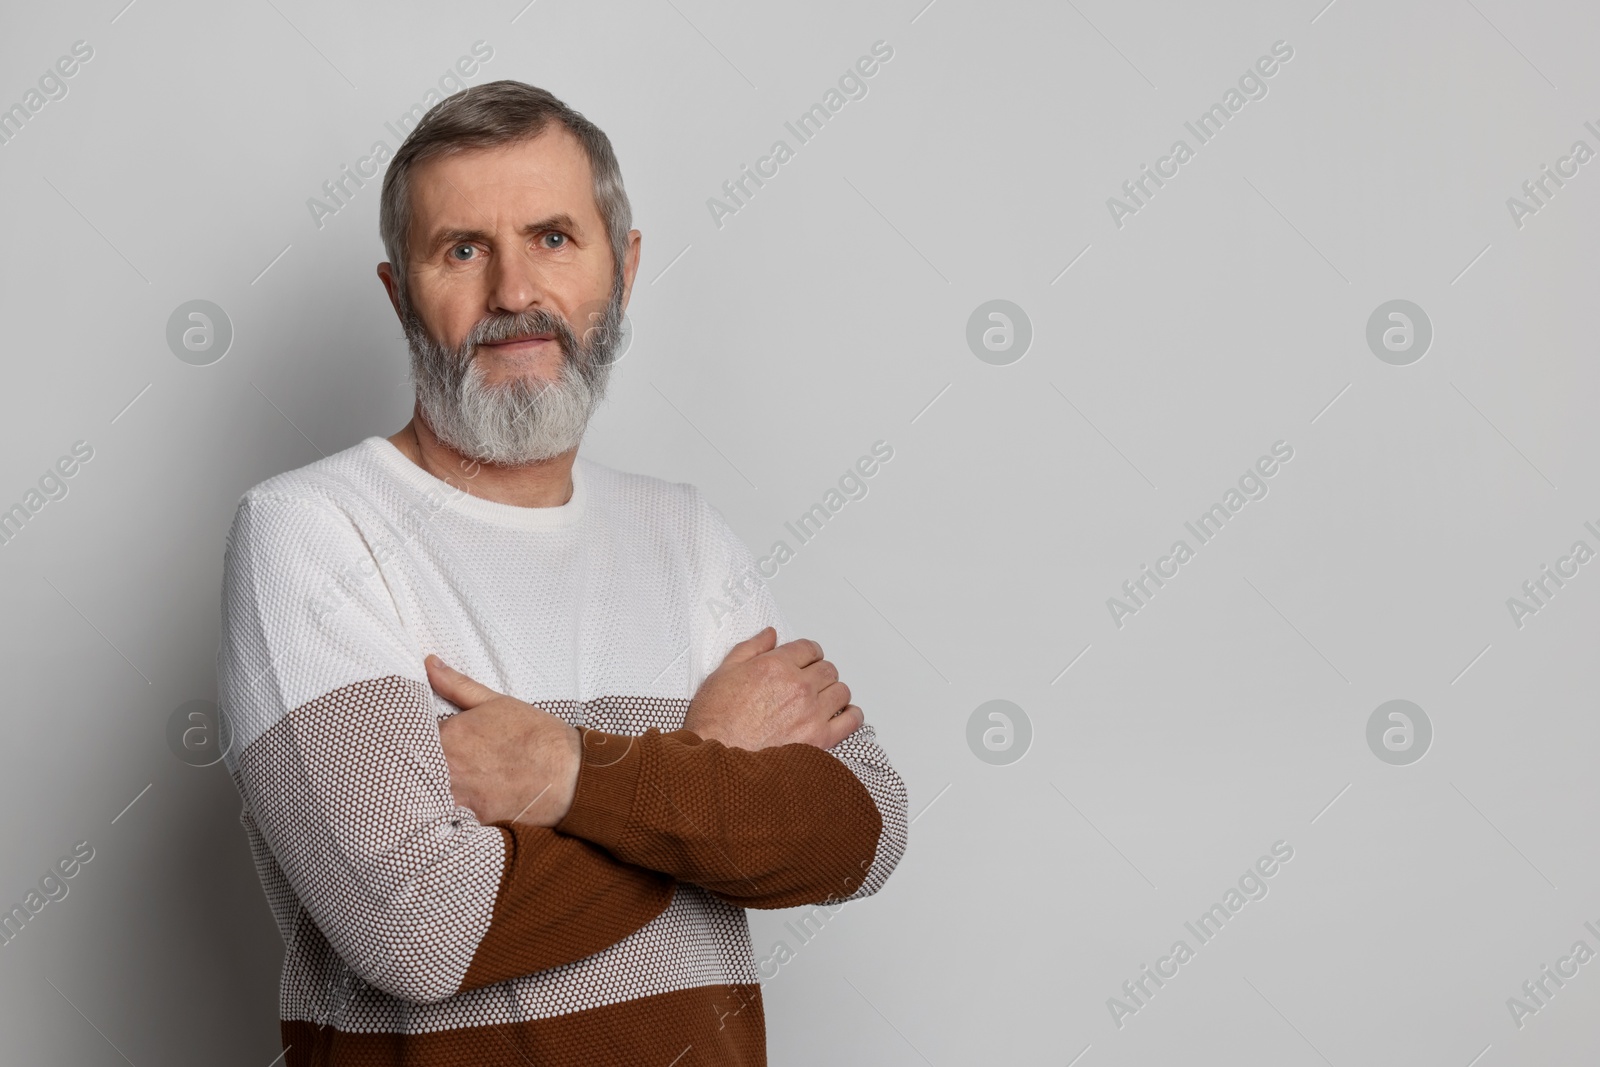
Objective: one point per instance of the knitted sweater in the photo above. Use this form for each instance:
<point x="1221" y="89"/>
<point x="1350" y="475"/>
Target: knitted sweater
<point x="416" y="935"/>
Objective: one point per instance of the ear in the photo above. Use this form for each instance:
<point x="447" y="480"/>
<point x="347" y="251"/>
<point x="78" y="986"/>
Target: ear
<point x="386" y="275"/>
<point x="630" y="265"/>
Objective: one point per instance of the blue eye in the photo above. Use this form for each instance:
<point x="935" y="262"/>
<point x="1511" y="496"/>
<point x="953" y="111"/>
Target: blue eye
<point x="456" y="252"/>
<point x="562" y="236"/>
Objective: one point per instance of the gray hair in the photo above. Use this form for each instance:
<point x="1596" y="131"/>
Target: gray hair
<point x="487" y="116"/>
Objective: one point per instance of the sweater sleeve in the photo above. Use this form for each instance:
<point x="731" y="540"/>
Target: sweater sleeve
<point x="336" y="753"/>
<point x="781" y="827"/>
<point x="736" y="605"/>
<point x="777" y="828"/>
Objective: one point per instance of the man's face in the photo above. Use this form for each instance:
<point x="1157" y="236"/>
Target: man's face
<point x="507" y="230"/>
<point x="513" y="307"/>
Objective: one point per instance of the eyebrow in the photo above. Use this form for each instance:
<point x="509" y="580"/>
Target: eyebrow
<point x="559" y="221"/>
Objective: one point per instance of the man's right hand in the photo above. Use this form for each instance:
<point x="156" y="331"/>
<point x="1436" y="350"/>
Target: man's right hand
<point x="762" y="696"/>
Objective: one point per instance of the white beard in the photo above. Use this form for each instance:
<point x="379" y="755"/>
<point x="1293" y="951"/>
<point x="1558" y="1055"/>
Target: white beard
<point x="524" y="421"/>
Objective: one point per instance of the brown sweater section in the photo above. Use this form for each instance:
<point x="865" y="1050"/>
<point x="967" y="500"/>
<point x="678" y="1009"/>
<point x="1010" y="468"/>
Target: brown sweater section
<point x="707" y="1026"/>
<point x="777" y="828"/>
<point x="560" y="899"/>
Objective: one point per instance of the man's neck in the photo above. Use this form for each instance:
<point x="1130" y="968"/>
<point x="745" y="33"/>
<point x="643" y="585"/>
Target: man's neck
<point x="546" y="484"/>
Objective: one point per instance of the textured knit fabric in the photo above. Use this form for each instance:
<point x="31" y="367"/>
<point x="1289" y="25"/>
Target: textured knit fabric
<point x="416" y="935"/>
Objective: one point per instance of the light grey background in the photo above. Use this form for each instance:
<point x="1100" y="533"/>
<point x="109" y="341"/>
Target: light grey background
<point x="769" y="353"/>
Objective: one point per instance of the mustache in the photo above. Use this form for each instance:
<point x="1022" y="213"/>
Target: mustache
<point x="588" y="355"/>
<point x="507" y="325"/>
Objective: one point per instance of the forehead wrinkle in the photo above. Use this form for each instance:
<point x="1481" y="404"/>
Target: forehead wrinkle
<point x="549" y="178"/>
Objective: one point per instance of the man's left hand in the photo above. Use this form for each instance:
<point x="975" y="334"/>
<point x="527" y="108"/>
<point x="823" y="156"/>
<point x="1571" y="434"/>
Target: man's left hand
<point x="509" y="761"/>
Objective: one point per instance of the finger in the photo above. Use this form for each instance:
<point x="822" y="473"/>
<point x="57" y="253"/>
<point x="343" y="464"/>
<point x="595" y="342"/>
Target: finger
<point x="842" y="726"/>
<point x="751" y="647"/>
<point x="833" y="698"/>
<point x="820" y="675"/>
<point x="454" y="686"/>
<point x="800" y="653"/>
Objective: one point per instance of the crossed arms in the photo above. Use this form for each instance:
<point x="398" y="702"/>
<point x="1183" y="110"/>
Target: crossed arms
<point x="744" y="801"/>
<point x="413" y="844"/>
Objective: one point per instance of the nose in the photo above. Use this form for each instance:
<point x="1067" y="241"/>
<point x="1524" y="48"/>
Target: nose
<point x="515" y="284"/>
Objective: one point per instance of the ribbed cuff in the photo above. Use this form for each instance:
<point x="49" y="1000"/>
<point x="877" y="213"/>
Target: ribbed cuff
<point x="608" y="777"/>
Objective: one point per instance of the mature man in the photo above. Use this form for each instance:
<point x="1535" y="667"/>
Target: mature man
<point x="509" y="784"/>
